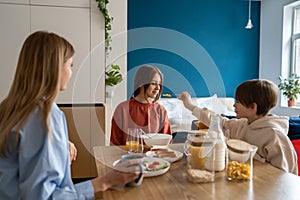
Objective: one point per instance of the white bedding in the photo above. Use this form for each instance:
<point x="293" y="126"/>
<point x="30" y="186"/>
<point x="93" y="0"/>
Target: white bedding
<point x="181" y="118"/>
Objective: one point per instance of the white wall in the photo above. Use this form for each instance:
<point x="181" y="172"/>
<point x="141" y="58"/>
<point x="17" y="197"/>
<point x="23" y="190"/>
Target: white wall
<point x="271" y="46"/>
<point x="118" y="55"/>
<point x="12" y="37"/>
<point x="118" y="9"/>
<point x="79" y="21"/>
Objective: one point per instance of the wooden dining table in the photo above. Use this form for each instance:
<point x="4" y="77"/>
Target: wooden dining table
<point x="268" y="182"/>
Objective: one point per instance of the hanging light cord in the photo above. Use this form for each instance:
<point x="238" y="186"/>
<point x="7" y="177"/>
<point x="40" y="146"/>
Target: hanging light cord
<point x="249" y="23"/>
<point x="249" y="15"/>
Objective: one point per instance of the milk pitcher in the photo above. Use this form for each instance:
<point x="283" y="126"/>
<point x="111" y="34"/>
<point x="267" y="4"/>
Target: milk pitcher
<point x="216" y="132"/>
<point x="240" y="160"/>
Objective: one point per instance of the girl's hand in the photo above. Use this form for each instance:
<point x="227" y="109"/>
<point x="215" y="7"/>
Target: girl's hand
<point x="72" y="151"/>
<point x="122" y="173"/>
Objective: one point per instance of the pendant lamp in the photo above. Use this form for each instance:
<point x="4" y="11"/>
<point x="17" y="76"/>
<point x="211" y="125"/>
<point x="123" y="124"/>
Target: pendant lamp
<point x="249" y="24"/>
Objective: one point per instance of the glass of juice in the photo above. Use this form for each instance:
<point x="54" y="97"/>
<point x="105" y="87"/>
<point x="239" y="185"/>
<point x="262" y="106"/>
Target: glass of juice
<point x="134" y="142"/>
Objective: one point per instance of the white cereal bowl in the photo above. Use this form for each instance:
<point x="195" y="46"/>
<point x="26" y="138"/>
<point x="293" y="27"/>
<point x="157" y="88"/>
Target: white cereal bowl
<point x="156" y="139"/>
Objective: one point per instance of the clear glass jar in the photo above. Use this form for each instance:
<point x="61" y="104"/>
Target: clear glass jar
<point x="240" y="160"/>
<point x="200" y="152"/>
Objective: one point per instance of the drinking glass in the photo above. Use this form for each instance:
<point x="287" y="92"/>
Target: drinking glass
<point x="134" y="141"/>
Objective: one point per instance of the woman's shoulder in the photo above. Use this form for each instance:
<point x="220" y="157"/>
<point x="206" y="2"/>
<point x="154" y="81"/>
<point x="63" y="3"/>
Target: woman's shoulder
<point x="123" y="104"/>
<point x="57" y="116"/>
<point x="156" y="103"/>
<point x="121" y="107"/>
<point x="56" y="111"/>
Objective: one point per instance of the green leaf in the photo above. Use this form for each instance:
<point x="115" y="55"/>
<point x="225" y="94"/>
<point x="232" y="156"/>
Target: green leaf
<point x="112" y="72"/>
<point x="113" y="75"/>
<point x="290" y="86"/>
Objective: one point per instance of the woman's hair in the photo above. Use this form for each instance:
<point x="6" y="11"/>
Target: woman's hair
<point x="143" y="78"/>
<point x="262" y="92"/>
<point x="36" y="84"/>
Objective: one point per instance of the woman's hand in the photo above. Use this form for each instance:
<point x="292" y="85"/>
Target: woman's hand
<point x="72" y="151"/>
<point x="122" y="173"/>
<point x="185" y="97"/>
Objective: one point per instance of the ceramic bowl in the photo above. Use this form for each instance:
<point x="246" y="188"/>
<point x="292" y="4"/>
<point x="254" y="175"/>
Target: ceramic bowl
<point x="156" y="139"/>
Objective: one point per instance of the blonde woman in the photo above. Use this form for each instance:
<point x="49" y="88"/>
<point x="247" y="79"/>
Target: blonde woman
<point x="34" y="156"/>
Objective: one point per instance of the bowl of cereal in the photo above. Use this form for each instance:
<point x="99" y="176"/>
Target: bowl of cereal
<point x="156" y="139"/>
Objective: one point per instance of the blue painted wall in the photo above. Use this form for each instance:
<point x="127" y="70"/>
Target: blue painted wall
<point x="201" y="46"/>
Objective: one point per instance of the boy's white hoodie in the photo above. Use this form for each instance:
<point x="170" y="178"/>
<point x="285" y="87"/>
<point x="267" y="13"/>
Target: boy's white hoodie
<point x="269" y="133"/>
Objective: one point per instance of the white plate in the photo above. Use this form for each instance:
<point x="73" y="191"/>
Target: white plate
<point x="150" y="160"/>
<point x="169" y="159"/>
<point x="162" y="162"/>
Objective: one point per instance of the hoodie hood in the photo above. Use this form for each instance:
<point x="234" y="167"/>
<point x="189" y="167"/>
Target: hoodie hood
<point x="271" y="121"/>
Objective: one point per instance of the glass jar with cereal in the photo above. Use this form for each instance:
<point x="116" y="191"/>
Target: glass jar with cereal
<point x="240" y="160"/>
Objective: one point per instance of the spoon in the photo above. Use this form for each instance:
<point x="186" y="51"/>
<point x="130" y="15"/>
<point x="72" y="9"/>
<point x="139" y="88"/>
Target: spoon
<point x="148" y="136"/>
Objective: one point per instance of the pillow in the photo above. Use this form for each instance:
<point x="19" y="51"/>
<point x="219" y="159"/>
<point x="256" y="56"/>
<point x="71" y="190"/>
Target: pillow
<point x="220" y="106"/>
<point x="181" y="118"/>
<point x="294" y="128"/>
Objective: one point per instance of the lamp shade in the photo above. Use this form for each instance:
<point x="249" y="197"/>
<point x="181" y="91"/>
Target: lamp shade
<point x="249" y="24"/>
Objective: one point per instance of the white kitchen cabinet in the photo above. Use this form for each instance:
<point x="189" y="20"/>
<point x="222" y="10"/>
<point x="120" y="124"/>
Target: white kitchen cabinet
<point x="83" y="26"/>
<point x="74" y="25"/>
<point x="68" y="3"/>
<point x="15" y="1"/>
<point x="97" y="55"/>
<point x="15" y="26"/>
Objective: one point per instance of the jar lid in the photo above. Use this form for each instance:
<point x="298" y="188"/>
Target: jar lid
<point x="200" y="131"/>
<point x="239" y="146"/>
<point x="202" y="143"/>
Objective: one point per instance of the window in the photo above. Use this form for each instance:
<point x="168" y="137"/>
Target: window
<point x="295" y="42"/>
<point x="291" y="44"/>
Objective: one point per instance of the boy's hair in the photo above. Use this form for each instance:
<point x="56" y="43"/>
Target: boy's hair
<point x="262" y="92"/>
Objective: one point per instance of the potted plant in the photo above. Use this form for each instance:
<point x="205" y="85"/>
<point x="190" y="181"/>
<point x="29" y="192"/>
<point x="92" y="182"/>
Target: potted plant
<point x="113" y="74"/>
<point x="113" y="77"/>
<point x="290" y="87"/>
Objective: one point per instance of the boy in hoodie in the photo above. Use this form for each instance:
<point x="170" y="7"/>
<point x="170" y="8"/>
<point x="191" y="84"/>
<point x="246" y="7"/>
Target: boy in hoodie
<point x="254" y="124"/>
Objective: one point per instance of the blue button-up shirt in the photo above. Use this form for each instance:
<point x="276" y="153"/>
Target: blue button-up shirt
<point x="40" y="166"/>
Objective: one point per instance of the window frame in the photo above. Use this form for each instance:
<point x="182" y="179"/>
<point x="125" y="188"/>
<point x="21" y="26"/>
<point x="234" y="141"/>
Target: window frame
<point x="295" y="67"/>
<point x="288" y="56"/>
